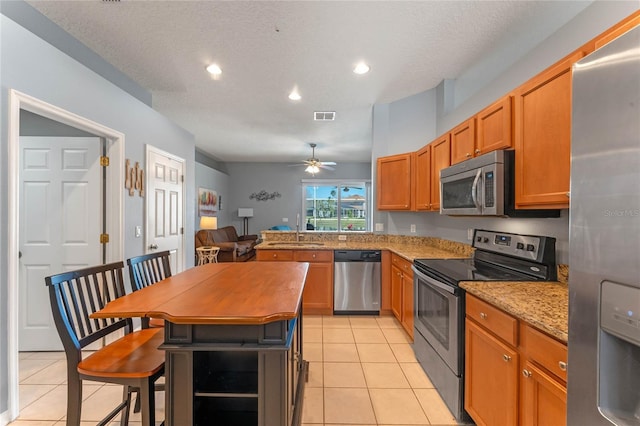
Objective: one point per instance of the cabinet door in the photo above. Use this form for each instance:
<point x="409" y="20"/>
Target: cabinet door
<point x="317" y="298"/>
<point x="494" y="127"/>
<point x="407" y="303"/>
<point x="440" y="158"/>
<point x="491" y="378"/>
<point x="396" y="292"/>
<point x="463" y="141"/>
<point x="423" y="179"/>
<point x="394" y="182"/>
<point x="544" y="399"/>
<point x="543" y="138"/>
<point x="385" y="294"/>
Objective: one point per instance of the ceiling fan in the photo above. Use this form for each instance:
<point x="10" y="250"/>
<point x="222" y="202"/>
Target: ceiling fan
<point x="313" y="164"/>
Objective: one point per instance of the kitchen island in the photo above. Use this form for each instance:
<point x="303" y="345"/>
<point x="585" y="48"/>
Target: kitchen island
<point x="233" y="342"/>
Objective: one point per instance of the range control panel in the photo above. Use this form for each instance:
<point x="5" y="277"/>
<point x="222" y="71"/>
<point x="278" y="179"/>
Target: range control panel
<point x="530" y="247"/>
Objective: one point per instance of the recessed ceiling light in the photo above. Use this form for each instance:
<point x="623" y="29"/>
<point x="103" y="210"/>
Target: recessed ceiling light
<point x="361" y="68"/>
<point x="294" y="95"/>
<point x="214" y="69"/>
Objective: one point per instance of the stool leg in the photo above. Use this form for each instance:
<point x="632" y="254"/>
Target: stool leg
<point x="74" y="399"/>
<point x="147" y="400"/>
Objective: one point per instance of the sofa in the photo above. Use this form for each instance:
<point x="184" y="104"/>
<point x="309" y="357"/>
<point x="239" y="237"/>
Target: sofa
<point x="233" y="248"/>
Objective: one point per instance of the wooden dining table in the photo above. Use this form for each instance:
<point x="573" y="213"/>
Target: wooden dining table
<point x="233" y="341"/>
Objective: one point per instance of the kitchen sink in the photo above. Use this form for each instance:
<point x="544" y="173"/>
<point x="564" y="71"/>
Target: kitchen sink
<point x="295" y="243"/>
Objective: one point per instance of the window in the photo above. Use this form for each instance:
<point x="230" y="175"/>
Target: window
<point x="336" y="205"/>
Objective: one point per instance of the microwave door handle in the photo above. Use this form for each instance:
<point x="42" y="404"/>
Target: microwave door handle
<point x="474" y="190"/>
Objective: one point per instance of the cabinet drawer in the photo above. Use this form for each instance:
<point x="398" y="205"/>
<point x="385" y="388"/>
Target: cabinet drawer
<point x="313" y="256"/>
<point x="499" y="323"/>
<point x="275" y="255"/>
<point x="403" y="264"/>
<point x="546" y="351"/>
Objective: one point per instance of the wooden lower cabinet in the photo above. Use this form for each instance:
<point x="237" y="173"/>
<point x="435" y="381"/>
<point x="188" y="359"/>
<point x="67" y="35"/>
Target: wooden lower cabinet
<point x="317" y="298"/>
<point x="514" y="373"/>
<point x="402" y="292"/>
<point x="544" y="398"/>
<point x="491" y="378"/>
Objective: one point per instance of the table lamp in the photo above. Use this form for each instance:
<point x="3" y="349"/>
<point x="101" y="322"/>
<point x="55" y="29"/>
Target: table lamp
<point x="208" y="222"/>
<point x="245" y="214"/>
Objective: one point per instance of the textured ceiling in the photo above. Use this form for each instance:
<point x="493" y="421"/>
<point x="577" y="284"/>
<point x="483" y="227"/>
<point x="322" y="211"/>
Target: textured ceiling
<point x="265" y="48"/>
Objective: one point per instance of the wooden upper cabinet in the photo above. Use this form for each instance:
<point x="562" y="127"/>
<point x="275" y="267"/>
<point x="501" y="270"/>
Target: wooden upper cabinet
<point x="543" y="138"/>
<point x="423" y="178"/>
<point x="493" y="126"/>
<point x="394" y="188"/>
<point x="463" y="141"/>
<point x="440" y="158"/>
<point x="627" y="24"/>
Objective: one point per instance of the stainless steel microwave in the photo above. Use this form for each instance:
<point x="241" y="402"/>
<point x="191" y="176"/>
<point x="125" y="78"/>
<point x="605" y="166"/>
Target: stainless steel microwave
<point x="483" y="186"/>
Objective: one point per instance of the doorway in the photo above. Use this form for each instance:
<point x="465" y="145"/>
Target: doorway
<point x="113" y="207"/>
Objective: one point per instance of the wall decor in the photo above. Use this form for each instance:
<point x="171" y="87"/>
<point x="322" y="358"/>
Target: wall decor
<point x="207" y="202"/>
<point x="133" y="178"/>
<point x="264" y="195"/>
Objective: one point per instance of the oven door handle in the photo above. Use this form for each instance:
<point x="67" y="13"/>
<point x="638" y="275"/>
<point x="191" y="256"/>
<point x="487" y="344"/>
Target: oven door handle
<point x="433" y="282"/>
<point x="474" y="191"/>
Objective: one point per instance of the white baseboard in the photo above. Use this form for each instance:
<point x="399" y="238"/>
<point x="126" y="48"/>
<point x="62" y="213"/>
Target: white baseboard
<point x="4" y="418"/>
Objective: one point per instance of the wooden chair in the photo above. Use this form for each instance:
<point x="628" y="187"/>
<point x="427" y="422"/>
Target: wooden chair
<point x="146" y="270"/>
<point x="133" y="360"/>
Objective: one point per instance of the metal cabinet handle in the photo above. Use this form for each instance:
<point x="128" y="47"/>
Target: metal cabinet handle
<point x="506" y="358"/>
<point x="562" y="365"/>
<point x="153" y="247"/>
<point x="483" y="315"/>
<point x="568" y="194"/>
<point x="313" y="255"/>
<point x="526" y="373"/>
<point x="468" y="155"/>
<point x="477" y="151"/>
<point x="275" y="255"/>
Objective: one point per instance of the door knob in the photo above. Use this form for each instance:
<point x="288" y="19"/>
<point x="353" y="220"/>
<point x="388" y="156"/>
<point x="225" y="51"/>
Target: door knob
<point x="526" y="373"/>
<point x="153" y="247"/>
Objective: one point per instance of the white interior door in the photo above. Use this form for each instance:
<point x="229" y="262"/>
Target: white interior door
<point x="165" y="181"/>
<point x="60" y="225"/>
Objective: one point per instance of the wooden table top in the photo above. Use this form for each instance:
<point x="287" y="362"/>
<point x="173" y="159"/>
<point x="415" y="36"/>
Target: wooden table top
<point x="219" y="293"/>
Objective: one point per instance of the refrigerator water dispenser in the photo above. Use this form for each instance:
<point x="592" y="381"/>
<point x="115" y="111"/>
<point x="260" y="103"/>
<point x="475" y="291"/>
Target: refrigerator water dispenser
<point x="619" y="354"/>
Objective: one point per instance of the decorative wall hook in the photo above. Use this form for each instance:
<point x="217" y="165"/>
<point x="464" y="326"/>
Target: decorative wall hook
<point x="264" y="195"/>
<point x="133" y="178"/>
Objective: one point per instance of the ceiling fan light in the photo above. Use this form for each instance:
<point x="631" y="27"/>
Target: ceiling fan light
<point x="313" y="169"/>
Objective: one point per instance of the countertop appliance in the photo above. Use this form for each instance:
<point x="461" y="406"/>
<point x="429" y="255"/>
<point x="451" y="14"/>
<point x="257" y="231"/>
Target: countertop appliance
<point x="356" y="281"/>
<point x="483" y="186"/>
<point x="439" y="307"/>
<point x="604" y="237"/>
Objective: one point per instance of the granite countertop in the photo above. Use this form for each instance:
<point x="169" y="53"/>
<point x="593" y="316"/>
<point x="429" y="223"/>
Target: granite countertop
<point x="544" y="305"/>
<point x="408" y="251"/>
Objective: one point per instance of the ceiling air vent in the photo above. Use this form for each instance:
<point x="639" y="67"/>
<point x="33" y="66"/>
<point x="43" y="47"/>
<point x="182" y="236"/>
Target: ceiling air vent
<point x="324" y="115"/>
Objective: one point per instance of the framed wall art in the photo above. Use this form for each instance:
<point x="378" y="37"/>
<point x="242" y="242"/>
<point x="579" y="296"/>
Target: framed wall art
<point x="207" y="202"/>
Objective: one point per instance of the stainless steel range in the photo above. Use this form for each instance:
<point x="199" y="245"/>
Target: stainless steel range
<point x="439" y="306"/>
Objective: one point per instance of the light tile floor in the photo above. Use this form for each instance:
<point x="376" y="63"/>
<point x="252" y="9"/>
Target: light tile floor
<point x="362" y="372"/>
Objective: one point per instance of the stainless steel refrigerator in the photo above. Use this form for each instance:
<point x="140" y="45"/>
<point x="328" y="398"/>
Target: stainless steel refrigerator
<point x="604" y="261"/>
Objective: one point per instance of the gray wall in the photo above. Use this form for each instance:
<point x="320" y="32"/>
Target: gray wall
<point x="410" y="123"/>
<point x="248" y="178"/>
<point x="210" y="178"/>
<point x="33" y="66"/>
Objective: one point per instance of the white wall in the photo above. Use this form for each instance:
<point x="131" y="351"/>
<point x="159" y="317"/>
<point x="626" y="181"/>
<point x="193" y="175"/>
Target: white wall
<point x="33" y="66"/>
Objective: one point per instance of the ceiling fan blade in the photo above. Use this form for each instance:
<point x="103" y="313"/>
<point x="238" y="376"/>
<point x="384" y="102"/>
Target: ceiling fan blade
<point x="328" y="163"/>
<point x="323" y="166"/>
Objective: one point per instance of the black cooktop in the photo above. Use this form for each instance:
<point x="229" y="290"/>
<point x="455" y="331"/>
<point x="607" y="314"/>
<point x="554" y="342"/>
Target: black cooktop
<point x="453" y="271"/>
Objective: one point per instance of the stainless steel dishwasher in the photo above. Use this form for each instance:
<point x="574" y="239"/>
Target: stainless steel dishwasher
<point x="356" y="281"/>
